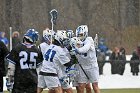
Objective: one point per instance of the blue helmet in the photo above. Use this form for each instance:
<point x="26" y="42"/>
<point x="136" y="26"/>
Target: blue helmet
<point x="31" y="35"/>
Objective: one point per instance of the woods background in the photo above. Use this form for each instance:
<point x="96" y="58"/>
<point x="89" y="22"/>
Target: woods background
<point x="118" y="21"/>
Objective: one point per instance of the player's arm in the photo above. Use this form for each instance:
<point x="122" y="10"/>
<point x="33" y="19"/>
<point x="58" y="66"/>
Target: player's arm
<point x="11" y="69"/>
<point x="40" y="59"/>
<point x="11" y="59"/>
<point x="85" y="48"/>
<point x="72" y="61"/>
<point x="64" y="60"/>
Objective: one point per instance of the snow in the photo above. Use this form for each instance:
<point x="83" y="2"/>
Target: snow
<point x="108" y="81"/>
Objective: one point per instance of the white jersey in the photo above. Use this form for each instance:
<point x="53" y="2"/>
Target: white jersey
<point x="43" y="46"/>
<point x="54" y="58"/>
<point x="63" y="68"/>
<point x="87" y="55"/>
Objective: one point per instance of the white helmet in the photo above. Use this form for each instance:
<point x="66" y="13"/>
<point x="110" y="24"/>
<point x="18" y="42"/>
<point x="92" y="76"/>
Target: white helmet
<point x="75" y="42"/>
<point x="82" y="32"/>
<point x="61" y="36"/>
<point x="47" y="35"/>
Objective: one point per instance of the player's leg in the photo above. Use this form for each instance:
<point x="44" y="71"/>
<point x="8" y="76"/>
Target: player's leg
<point x="41" y="84"/>
<point x="88" y="88"/>
<point x="51" y="91"/>
<point x="95" y="87"/>
<point x="82" y="80"/>
<point x="69" y="90"/>
<point x="81" y="87"/>
<point x="94" y="78"/>
<point x="39" y="90"/>
<point x="58" y="89"/>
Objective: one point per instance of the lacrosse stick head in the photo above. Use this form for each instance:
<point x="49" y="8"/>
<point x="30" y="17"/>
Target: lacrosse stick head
<point x="53" y="14"/>
<point x="70" y="33"/>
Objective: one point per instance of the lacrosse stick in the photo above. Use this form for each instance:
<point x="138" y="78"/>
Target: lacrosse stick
<point x="80" y="64"/>
<point x="10" y="38"/>
<point x="53" y="14"/>
<point x="96" y="41"/>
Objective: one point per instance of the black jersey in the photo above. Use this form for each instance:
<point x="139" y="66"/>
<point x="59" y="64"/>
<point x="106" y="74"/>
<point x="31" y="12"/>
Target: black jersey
<point x="26" y="59"/>
<point x="3" y="52"/>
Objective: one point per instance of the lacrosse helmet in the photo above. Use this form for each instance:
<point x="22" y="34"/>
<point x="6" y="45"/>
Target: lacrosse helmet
<point x="82" y="32"/>
<point x="70" y="33"/>
<point x="76" y="42"/>
<point x="31" y="36"/>
<point x="48" y="35"/>
<point x="61" y="36"/>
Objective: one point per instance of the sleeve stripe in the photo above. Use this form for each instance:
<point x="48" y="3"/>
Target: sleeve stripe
<point x="10" y="61"/>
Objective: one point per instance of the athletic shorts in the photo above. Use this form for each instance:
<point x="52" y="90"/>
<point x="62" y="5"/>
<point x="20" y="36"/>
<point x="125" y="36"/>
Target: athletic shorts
<point x="65" y="85"/>
<point x="91" y="71"/>
<point x="41" y="82"/>
<point x="52" y="81"/>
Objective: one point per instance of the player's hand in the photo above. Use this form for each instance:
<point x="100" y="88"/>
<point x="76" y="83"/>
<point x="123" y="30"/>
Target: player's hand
<point x="74" y="51"/>
<point x="74" y="59"/>
<point x="9" y="83"/>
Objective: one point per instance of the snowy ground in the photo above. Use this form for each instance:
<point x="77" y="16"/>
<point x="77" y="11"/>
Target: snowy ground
<point x="117" y="81"/>
<point x="108" y="81"/>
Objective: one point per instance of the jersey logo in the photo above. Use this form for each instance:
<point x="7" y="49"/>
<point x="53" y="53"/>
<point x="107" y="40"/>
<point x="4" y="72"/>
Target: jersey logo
<point x="49" y="55"/>
<point x="28" y="61"/>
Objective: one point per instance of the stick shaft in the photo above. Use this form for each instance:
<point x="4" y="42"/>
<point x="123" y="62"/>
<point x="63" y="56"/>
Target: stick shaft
<point x="83" y="70"/>
<point x="10" y="38"/>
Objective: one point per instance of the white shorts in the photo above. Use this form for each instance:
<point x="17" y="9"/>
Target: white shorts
<point x="41" y="82"/>
<point x="91" y="71"/>
<point x="52" y="82"/>
<point x="65" y="86"/>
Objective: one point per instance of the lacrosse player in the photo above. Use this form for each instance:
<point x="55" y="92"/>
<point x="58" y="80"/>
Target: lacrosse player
<point x="3" y="52"/>
<point x="43" y="46"/>
<point x="76" y="42"/>
<point x="66" y="74"/>
<point x="54" y="58"/>
<point x="23" y="61"/>
<point x="88" y="71"/>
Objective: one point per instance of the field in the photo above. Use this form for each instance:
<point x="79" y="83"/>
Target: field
<point x="111" y="91"/>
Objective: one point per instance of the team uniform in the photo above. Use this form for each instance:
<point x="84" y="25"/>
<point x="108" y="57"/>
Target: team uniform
<point x="64" y="79"/>
<point x="88" y="61"/>
<point x="88" y="66"/>
<point x="54" y="58"/>
<point x="23" y="60"/>
<point x="41" y="82"/>
<point x="26" y="58"/>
